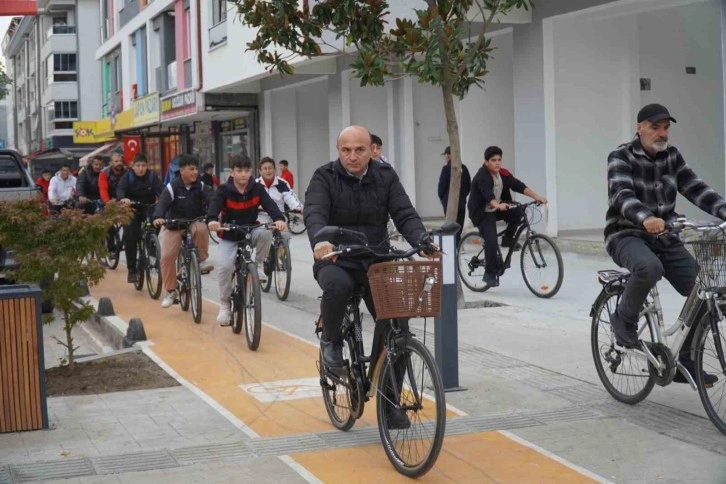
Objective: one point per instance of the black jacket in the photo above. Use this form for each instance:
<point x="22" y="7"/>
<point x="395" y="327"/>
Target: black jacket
<point x="241" y="208"/>
<point x="335" y="197"/>
<point x="176" y="202"/>
<point x="482" y="191"/>
<point x="144" y="190"/>
<point x="445" y="180"/>
<point x="87" y="184"/>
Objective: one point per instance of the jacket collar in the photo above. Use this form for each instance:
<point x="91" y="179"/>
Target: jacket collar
<point x="341" y="169"/>
<point x="250" y="184"/>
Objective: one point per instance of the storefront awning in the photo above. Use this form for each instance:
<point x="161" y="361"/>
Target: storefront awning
<point x="107" y="148"/>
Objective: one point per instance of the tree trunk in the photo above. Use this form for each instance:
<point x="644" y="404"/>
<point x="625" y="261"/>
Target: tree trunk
<point x="68" y="328"/>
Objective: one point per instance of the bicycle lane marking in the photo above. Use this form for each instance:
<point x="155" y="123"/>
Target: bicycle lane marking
<point x="216" y="362"/>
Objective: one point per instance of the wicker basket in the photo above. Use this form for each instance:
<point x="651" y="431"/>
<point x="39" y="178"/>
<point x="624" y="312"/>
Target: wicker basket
<point x="711" y="258"/>
<point x="398" y="289"/>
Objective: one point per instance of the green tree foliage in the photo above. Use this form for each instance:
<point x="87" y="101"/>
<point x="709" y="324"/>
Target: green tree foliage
<point x="53" y="251"/>
<point x="5" y="82"/>
<point x="443" y="44"/>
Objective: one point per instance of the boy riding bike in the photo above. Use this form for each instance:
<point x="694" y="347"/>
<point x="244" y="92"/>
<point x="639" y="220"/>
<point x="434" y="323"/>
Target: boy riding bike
<point x="278" y="189"/>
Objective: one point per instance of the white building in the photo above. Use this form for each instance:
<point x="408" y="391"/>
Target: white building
<point x="563" y="91"/>
<point x="50" y="59"/>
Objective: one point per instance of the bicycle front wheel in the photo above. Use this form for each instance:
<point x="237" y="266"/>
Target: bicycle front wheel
<point x="268" y="267"/>
<point x="295" y="223"/>
<point x="237" y="304"/>
<point x="624" y="374"/>
<point x="341" y="401"/>
<point x="542" y="267"/>
<point x="709" y="354"/>
<point x="253" y="308"/>
<point x="195" y="287"/>
<point x="140" y="267"/>
<point x="182" y="285"/>
<point x="470" y="261"/>
<point x="411" y="427"/>
<point x="153" y="265"/>
<point x="113" y="254"/>
<point x="283" y="269"/>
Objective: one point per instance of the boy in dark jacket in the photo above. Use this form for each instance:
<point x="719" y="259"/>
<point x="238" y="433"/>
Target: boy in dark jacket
<point x="237" y="202"/>
<point x="490" y="190"/>
<point x="87" y="187"/>
<point x="186" y="197"/>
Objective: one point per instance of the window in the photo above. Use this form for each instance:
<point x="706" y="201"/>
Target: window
<point x="62" y="68"/>
<point x="65" y="110"/>
<point x="219" y="11"/>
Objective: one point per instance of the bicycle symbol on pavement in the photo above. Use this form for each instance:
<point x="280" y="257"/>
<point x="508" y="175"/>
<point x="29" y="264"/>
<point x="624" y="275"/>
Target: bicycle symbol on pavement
<point x="284" y="389"/>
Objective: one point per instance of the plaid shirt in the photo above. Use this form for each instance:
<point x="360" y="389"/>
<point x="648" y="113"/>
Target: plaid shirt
<point x="640" y="186"/>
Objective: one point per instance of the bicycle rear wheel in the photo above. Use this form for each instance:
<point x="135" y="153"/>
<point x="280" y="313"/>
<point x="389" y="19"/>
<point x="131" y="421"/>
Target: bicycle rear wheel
<point x="711" y="347"/>
<point x="470" y="261"/>
<point x="140" y="267"/>
<point x="195" y="287"/>
<point x="283" y="269"/>
<point x="182" y="285"/>
<point x="153" y="265"/>
<point x="624" y="375"/>
<point x="252" y="308"/>
<point x="295" y="223"/>
<point x="113" y="254"/>
<point x="338" y="397"/>
<point x="542" y="267"/>
<point x="412" y="440"/>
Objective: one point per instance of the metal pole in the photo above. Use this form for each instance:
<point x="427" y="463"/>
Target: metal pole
<point x="445" y="326"/>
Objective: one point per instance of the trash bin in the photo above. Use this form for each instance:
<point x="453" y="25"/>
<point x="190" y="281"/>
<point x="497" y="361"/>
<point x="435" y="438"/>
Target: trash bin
<point x="22" y="367"/>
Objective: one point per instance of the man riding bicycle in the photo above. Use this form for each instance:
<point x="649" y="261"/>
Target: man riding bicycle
<point x="278" y="189"/>
<point x="87" y="186"/>
<point x="352" y="193"/>
<point x="108" y="181"/>
<point x="238" y="201"/>
<point x="644" y="177"/>
<point x="61" y="189"/>
<point x="490" y="192"/>
<point x="141" y="185"/>
<point x="186" y="197"/>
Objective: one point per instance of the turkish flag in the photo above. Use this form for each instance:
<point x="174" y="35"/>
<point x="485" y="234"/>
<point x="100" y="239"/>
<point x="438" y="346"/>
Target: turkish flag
<point x="18" y="7"/>
<point x="132" y="146"/>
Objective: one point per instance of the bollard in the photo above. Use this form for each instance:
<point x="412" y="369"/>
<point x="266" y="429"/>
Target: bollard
<point x="105" y="307"/>
<point x="134" y="333"/>
<point x="446" y="325"/>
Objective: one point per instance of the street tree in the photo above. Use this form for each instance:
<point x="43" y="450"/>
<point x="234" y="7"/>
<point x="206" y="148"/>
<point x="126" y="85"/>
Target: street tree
<point x="444" y="43"/>
<point x="5" y="82"/>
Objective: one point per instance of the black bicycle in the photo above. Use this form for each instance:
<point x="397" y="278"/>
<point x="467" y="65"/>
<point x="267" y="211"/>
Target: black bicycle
<point x="246" y="299"/>
<point x="188" y="273"/>
<point x="114" y="247"/>
<point x="278" y="266"/>
<point x="540" y="259"/>
<point x="295" y="221"/>
<point x="400" y="371"/>
<point x="148" y="254"/>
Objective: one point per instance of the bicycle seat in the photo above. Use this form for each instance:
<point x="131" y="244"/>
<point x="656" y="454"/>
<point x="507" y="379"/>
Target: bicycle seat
<point x="609" y="275"/>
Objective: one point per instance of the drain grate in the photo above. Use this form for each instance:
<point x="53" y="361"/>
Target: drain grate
<point x="140" y="461"/>
<point x="4" y="475"/>
<point x="482" y="358"/>
<point x="584" y="393"/>
<point x="360" y="436"/>
<point x="286" y="445"/>
<point x="566" y="414"/>
<point x="41" y="471"/>
<point x="206" y="453"/>
<point x="483" y="304"/>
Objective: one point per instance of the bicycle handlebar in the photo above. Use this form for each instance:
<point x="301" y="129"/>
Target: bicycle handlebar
<point x="244" y="228"/>
<point x="682" y="223"/>
<point x="182" y="222"/>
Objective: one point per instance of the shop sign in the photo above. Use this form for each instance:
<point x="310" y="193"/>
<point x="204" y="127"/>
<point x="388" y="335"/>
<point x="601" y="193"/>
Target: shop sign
<point x="146" y="110"/>
<point x="180" y="104"/>
<point x="233" y="125"/>
<point x="92" y="131"/>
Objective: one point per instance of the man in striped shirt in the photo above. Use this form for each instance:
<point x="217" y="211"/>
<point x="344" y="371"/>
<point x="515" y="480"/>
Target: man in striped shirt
<point x="644" y="178"/>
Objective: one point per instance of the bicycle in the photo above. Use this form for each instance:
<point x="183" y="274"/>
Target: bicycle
<point x="539" y="254"/>
<point x="188" y="273"/>
<point x="400" y="371"/>
<point x="246" y="299"/>
<point x="278" y="265"/>
<point x="113" y="250"/>
<point x="295" y="222"/>
<point x="148" y="258"/>
<point x="629" y="374"/>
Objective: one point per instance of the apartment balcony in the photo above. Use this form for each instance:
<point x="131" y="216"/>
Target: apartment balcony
<point x="59" y="43"/>
<point x="59" y="91"/>
<point x="218" y="35"/>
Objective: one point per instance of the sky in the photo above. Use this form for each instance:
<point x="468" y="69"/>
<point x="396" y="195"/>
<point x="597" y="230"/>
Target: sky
<point x="4" y="22"/>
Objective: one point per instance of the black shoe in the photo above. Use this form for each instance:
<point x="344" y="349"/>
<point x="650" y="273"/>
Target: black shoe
<point x="491" y="280"/>
<point x="626" y="334"/>
<point x="397" y="419"/>
<point x="688" y="364"/>
<point x="507" y="242"/>
<point x="333" y="357"/>
<point x="131" y="278"/>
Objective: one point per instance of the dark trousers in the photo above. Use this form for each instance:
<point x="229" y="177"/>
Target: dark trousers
<point x="488" y="230"/>
<point x="338" y="284"/>
<point x="132" y="234"/>
<point x="648" y="259"/>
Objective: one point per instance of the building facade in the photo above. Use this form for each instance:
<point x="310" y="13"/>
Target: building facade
<point x="50" y="59"/>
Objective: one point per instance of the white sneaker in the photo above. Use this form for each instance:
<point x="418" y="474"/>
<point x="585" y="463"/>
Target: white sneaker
<point x="170" y="298"/>
<point x="261" y="275"/>
<point x="223" y="316"/>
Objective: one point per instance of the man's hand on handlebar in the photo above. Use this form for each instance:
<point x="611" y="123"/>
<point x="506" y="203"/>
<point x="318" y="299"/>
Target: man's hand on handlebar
<point x="322" y="249"/>
<point x="431" y="252"/>
<point x="159" y="222"/>
<point x="214" y="226"/>
<point x="280" y="225"/>
<point x="654" y="225"/>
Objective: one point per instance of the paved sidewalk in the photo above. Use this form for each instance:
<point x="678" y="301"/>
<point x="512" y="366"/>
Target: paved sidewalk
<point x="528" y="372"/>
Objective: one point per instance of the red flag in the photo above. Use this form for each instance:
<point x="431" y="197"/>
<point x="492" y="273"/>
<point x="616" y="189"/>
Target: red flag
<point x="18" y="7"/>
<point x="132" y="146"/>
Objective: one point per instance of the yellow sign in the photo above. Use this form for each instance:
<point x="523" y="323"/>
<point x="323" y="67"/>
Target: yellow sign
<point x="124" y="120"/>
<point x="91" y="132"/>
<point x="146" y="109"/>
